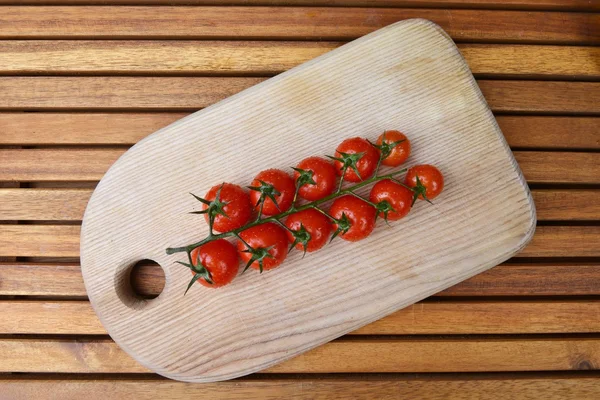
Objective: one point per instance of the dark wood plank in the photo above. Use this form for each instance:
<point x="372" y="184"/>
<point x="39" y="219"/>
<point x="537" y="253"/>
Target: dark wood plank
<point x="333" y="23"/>
<point x="63" y="241"/>
<point x="18" y="128"/>
<point x="69" y="204"/>
<point x="426" y="318"/>
<point x="124" y="57"/>
<point x="547" y="5"/>
<point x="355" y="356"/>
<point x="91" y="164"/>
<point x="189" y="93"/>
<point x="463" y="387"/>
<point x="574" y="279"/>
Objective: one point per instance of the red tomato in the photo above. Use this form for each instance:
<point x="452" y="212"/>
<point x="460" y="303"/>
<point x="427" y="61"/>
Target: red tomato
<point x="430" y="178"/>
<point x="234" y="202"/>
<point x="398" y="153"/>
<point x="220" y="258"/>
<point x="279" y="186"/>
<point x="386" y="194"/>
<point x="262" y="237"/>
<point x="365" y="164"/>
<point x="356" y="216"/>
<point x="317" y="225"/>
<point x="323" y="174"/>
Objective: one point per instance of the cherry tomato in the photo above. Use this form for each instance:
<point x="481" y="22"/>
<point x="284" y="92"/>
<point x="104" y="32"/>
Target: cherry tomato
<point x="262" y="237"/>
<point x="220" y="258"/>
<point x="323" y="174"/>
<point x="400" y="152"/>
<point x="365" y="165"/>
<point x="431" y="179"/>
<point x="236" y="206"/>
<point x="397" y="197"/>
<point x="359" y="214"/>
<point x="281" y="182"/>
<point x="317" y="225"/>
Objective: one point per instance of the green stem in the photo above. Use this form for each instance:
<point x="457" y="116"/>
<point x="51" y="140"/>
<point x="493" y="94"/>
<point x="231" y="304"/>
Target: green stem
<point x="276" y="218"/>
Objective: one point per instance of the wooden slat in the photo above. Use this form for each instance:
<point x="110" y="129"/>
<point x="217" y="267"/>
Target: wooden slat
<point x="69" y="204"/>
<point x="524" y="280"/>
<point x="44" y="204"/>
<point x="547" y="5"/>
<point x="564" y="241"/>
<point x="559" y="133"/>
<point x="290" y="22"/>
<point x="358" y="388"/>
<point x="240" y="57"/>
<point x="59" y="280"/>
<point x="128" y="128"/>
<point x="91" y="164"/>
<point x="442" y="355"/>
<point x="566" y="205"/>
<point x="63" y="241"/>
<point x="542" y="97"/>
<point x="187" y="93"/>
<point x="551" y="167"/>
<point x="439" y="318"/>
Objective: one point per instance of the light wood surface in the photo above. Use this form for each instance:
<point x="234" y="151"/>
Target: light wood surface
<point x="559" y="126"/>
<point x="382" y="75"/>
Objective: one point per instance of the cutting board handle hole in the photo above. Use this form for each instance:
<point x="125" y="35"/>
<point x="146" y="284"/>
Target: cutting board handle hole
<point x="139" y="283"/>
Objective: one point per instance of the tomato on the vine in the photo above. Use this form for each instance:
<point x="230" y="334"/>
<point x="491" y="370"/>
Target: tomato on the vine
<point x="220" y="259"/>
<point x="276" y="187"/>
<point x="393" y="200"/>
<point x="356" y="155"/>
<point x="311" y="222"/>
<point x="398" y="153"/>
<point x="231" y="210"/>
<point x="426" y="180"/>
<point x="355" y="217"/>
<point x="319" y="171"/>
<point x="269" y="246"/>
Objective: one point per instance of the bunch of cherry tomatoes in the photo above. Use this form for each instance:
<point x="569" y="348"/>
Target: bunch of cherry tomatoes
<point x="268" y="221"/>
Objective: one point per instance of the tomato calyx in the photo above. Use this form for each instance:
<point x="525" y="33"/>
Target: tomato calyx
<point x="258" y="254"/>
<point x="349" y="160"/>
<point x="301" y="236"/>
<point x="384" y="207"/>
<point x="199" y="272"/>
<point x="266" y="190"/>
<point x="419" y="190"/>
<point x="215" y="207"/>
<point x="386" y="148"/>
<point x="305" y="177"/>
<point x="343" y="225"/>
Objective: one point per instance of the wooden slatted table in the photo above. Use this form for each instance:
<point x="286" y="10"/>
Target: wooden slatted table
<point x="82" y="80"/>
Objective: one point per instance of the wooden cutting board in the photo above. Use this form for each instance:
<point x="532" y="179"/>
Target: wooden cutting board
<point x="407" y="76"/>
